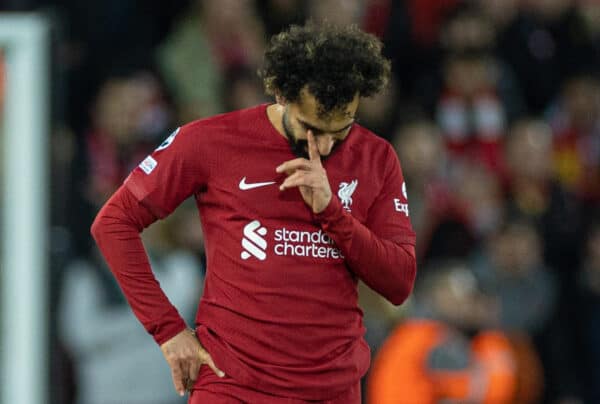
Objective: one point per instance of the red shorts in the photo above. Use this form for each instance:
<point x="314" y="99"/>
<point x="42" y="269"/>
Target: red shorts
<point x="210" y="389"/>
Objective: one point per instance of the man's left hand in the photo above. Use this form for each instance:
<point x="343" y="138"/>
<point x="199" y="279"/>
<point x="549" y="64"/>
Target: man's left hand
<point x="309" y="176"/>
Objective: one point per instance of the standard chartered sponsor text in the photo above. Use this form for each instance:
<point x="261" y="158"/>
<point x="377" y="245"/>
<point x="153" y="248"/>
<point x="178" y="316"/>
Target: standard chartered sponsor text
<point x="316" y="244"/>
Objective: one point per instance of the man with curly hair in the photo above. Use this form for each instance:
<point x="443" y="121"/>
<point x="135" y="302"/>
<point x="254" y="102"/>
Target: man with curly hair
<point x="298" y="202"/>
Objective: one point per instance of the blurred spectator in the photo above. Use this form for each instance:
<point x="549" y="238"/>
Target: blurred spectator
<point x="129" y="116"/>
<point x="534" y="194"/>
<point x="469" y="30"/>
<point x="477" y="95"/>
<point x="469" y="111"/>
<point x="190" y="69"/>
<point x="433" y="205"/>
<point x="115" y="361"/>
<point x="234" y="31"/>
<point x="544" y="43"/>
<point x="479" y="190"/>
<point x="512" y="269"/>
<point x="529" y="167"/>
<point x="466" y="29"/>
<point x="449" y="291"/>
<point x="575" y="120"/>
<point x="430" y="358"/>
<point x="213" y="37"/>
<point x="472" y="92"/>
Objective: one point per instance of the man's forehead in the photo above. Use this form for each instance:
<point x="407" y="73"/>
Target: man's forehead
<point x="309" y="107"/>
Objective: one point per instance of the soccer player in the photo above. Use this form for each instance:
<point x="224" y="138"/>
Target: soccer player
<point x="297" y="203"/>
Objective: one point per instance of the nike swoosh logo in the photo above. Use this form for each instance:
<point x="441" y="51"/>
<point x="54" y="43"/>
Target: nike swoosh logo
<point x="244" y="186"/>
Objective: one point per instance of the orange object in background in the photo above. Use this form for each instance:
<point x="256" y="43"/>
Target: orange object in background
<point x="530" y="373"/>
<point x="401" y="373"/>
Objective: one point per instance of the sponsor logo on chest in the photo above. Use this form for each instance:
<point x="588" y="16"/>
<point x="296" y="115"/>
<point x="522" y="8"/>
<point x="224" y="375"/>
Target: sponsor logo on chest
<point x="286" y="242"/>
<point x="259" y="243"/>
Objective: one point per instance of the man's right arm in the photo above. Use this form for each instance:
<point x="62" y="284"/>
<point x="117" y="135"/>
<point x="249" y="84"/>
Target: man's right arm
<point x="116" y="230"/>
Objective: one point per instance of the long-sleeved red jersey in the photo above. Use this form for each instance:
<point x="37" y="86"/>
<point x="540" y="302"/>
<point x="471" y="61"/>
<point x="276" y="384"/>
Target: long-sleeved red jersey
<point x="280" y="306"/>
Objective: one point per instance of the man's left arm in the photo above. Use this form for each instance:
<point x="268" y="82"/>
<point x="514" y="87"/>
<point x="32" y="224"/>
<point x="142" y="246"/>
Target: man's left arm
<point x="381" y="253"/>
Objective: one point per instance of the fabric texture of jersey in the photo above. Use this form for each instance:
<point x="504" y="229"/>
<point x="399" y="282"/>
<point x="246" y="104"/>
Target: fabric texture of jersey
<point x="279" y="310"/>
<point x="215" y="390"/>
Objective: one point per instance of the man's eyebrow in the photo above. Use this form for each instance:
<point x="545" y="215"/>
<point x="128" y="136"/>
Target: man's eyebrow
<point x="315" y="129"/>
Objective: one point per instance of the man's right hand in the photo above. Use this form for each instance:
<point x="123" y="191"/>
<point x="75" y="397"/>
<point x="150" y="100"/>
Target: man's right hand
<point x="185" y="355"/>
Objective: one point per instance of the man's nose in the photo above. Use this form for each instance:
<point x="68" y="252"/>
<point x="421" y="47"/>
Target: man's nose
<point x="325" y="144"/>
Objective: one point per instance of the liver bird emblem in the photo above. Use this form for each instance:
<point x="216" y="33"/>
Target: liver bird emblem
<point x="345" y="193"/>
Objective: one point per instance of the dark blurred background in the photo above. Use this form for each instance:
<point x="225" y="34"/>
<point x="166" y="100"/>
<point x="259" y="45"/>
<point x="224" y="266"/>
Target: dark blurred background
<point x="494" y="110"/>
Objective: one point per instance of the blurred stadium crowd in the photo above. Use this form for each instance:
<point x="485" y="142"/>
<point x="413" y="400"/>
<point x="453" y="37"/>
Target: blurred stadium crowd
<point x="494" y="110"/>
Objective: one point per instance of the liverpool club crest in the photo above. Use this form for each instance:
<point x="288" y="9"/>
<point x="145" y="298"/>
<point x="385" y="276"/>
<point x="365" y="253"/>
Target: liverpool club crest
<point x="345" y="193"/>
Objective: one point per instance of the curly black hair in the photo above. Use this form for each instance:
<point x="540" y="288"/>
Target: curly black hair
<point x="333" y="62"/>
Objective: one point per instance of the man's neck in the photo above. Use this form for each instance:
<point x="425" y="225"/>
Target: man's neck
<point x="275" y="115"/>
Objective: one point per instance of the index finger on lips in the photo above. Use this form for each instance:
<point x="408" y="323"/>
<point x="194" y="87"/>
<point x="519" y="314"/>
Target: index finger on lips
<point x="313" y="150"/>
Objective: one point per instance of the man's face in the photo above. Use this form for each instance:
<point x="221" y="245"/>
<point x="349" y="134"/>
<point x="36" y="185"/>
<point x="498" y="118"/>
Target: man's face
<point x="329" y="130"/>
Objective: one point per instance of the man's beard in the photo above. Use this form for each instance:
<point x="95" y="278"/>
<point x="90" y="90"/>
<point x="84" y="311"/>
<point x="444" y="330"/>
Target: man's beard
<point x="299" y="146"/>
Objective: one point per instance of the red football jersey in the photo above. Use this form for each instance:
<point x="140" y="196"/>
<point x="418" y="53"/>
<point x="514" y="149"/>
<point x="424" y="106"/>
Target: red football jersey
<point x="280" y="305"/>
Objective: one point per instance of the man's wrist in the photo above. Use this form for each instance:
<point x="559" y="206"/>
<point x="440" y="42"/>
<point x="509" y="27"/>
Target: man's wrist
<point x="168" y="331"/>
<point x="331" y="210"/>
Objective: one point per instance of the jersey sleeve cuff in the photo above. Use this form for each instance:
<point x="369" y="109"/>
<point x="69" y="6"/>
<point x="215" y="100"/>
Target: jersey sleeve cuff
<point x="165" y="332"/>
<point x="331" y="212"/>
